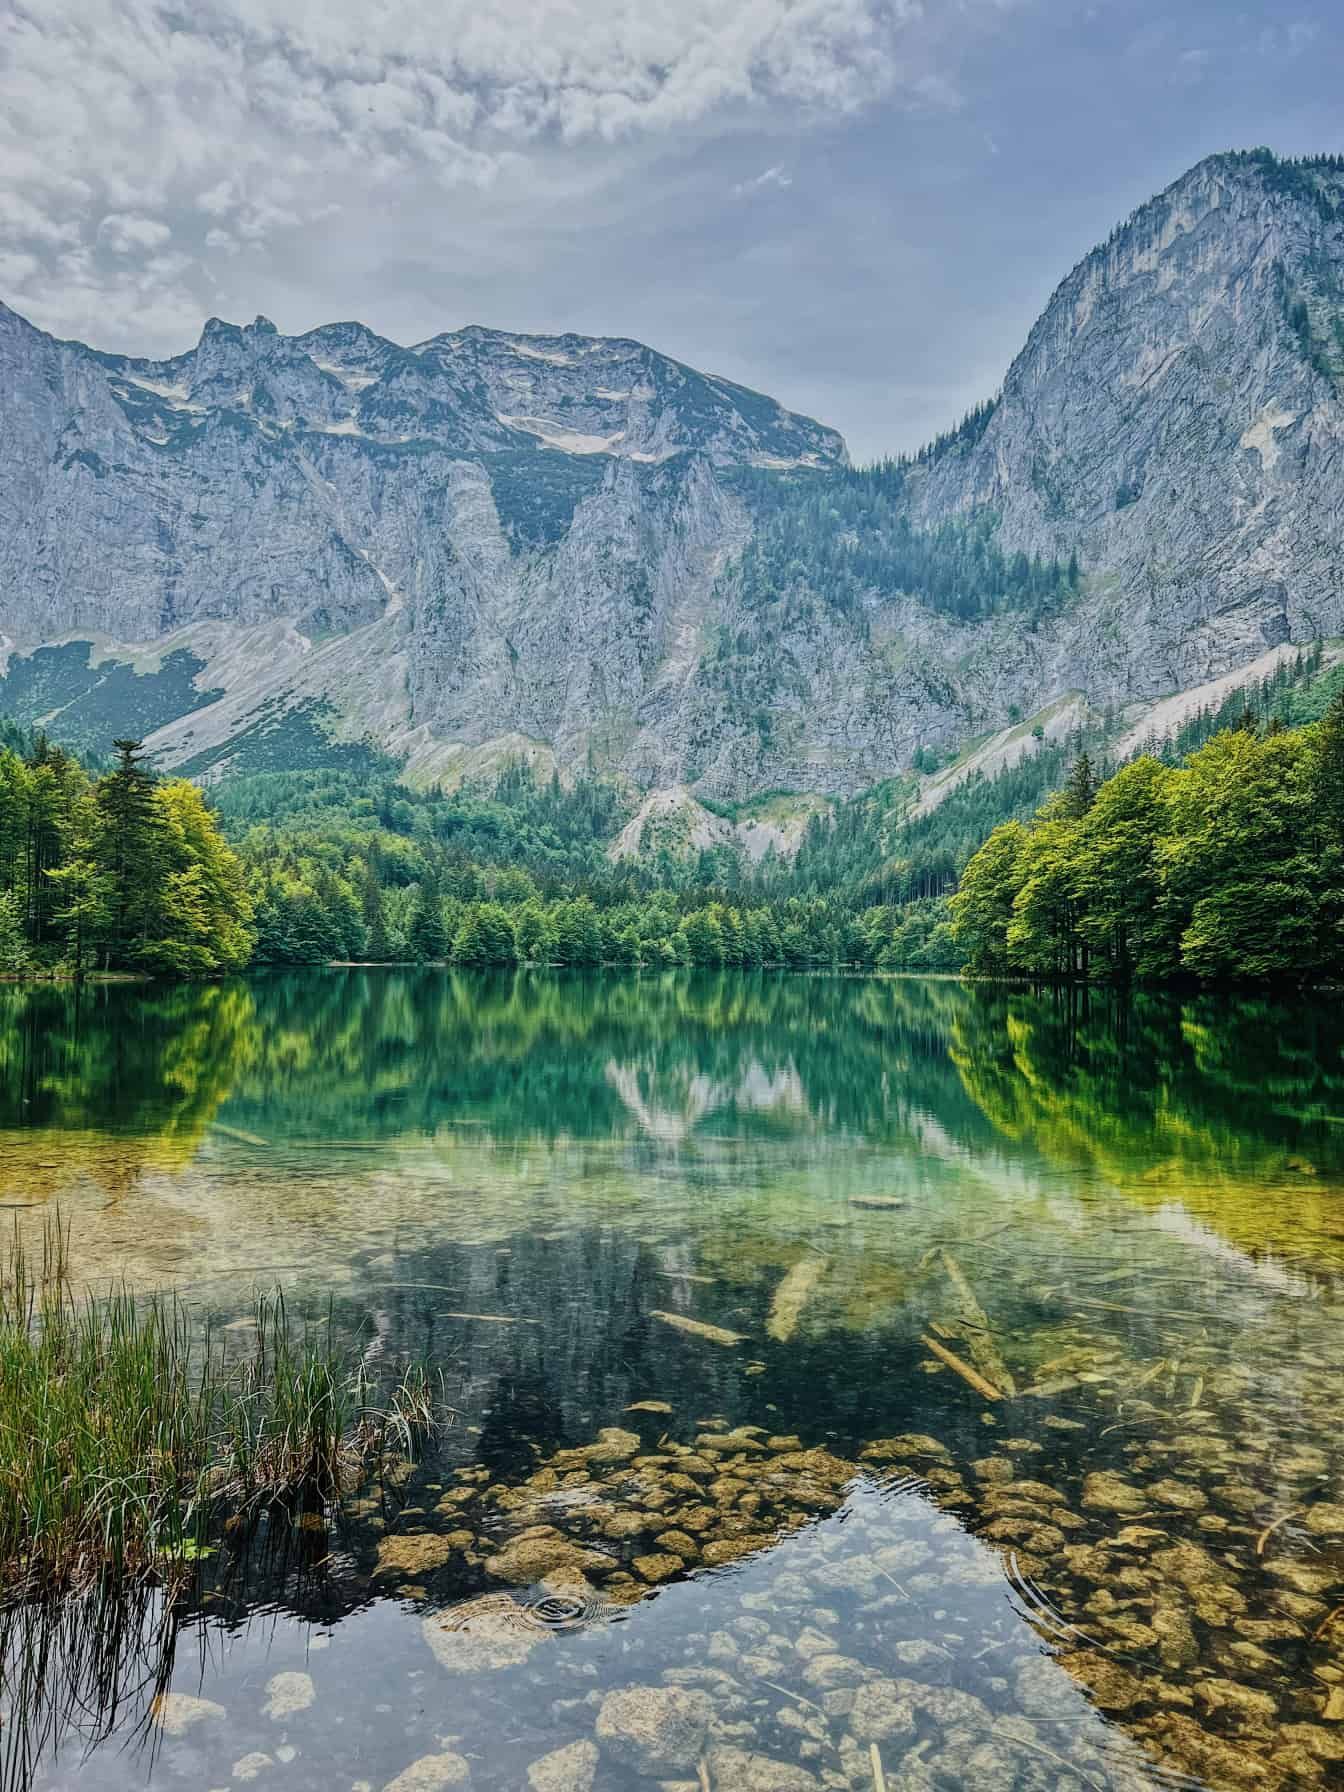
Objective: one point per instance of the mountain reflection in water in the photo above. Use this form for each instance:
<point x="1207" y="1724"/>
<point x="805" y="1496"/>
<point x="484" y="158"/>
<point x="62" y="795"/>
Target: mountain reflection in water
<point x="807" y="1228"/>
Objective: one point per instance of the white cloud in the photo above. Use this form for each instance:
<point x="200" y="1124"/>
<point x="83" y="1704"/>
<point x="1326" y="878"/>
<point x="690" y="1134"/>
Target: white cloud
<point x="126" y="234"/>
<point x="778" y="176"/>
<point x="234" y="128"/>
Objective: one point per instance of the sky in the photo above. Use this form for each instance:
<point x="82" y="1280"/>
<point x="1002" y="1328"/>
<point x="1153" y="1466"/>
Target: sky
<point x="858" y="206"/>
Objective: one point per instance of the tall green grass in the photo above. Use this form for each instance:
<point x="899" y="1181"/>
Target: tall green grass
<point x="128" y="1434"/>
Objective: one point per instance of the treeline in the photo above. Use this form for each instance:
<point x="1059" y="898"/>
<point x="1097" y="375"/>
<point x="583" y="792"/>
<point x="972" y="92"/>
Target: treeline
<point x="1299" y="690"/>
<point x="558" y="831"/>
<point x="871" y="847"/>
<point x="1230" y="866"/>
<point x="123" y="871"/>
<point x="848" y="533"/>
<point x="373" y="900"/>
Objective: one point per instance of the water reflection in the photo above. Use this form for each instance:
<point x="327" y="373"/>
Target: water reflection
<point x="1017" y="1321"/>
<point x="110" y="1082"/>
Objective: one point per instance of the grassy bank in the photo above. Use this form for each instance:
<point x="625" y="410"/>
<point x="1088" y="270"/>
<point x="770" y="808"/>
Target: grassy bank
<point x="128" y="1438"/>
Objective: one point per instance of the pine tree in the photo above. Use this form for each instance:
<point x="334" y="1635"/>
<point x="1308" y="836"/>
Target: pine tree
<point x="1081" y="790"/>
<point x="377" y="947"/>
<point x="128" y="849"/>
<point x="13" y="941"/>
<point x="429" y="936"/>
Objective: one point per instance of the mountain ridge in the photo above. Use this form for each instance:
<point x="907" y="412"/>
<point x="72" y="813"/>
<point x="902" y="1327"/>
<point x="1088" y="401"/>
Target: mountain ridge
<point x="581" y="550"/>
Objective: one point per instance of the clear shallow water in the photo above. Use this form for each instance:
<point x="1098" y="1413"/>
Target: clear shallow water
<point x="1132" y="1215"/>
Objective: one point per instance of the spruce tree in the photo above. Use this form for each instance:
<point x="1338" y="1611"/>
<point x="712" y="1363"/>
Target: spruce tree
<point x="429" y="936"/>
<point x="1081" y="790"/>
<point x="377" y="947"/>
<point x="129" y="850"/>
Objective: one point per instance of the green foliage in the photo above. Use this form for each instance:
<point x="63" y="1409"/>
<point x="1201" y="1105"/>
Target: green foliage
<point x="518" y="874"/>
<point x="1297" y="691"/>
<point x="536" y="495"/>
<point x="14" y="954"/>
<point x="127" y="871"/>
<point x="285" y="740"/>
<point x="1229" y="867"/>
<point x="428" y="937"/>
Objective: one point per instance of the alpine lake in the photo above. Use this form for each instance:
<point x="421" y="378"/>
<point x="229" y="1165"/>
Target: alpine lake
<point x="850" y="1382"/>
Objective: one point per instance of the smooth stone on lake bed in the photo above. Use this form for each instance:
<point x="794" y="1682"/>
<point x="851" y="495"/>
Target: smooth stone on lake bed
<point x="288" y="1693"/>
<point x="483" y="1635"/>
<point x="176" y="1712"/>
<point x="431" y="1773"/>
<point x="654" y="1729"/>
<point x="571" y="1769"/>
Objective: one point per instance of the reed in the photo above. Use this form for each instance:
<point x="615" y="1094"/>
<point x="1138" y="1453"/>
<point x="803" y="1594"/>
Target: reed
<point x="128" y="1434"/>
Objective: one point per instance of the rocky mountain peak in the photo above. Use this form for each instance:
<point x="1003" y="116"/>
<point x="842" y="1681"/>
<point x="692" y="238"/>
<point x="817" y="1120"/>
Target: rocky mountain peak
<point x="491" y="542"/>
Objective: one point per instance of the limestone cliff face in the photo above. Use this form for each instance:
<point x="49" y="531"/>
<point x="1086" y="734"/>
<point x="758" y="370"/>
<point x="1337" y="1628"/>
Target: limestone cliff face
<point x="488" y="538"/>
<point x="1176" y="418"/>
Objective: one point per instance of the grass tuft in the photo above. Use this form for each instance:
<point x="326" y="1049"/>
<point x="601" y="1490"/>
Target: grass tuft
<point x="128" y="1436"/>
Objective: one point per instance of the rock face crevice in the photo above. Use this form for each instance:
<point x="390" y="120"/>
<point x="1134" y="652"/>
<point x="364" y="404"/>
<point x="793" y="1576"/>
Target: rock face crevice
<point x="487" y="538"/>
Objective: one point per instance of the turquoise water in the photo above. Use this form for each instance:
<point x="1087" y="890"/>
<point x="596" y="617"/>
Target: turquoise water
<point x="978" y="1351"/>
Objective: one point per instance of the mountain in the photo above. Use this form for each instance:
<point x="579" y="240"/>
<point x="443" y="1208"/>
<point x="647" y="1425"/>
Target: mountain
<point x="272" y="548"/>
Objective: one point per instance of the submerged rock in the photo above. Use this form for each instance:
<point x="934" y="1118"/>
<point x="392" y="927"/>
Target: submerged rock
<point x="1106" y="1491"/>
<point x="1244" y="1703"/>
<point x="431" y="1773"/>
<point x="288" y="1693"/>
<point x="484" y="1634"/>
<point x="677" y="1543"/>
<point x="535" y="1555"/>
<point x="613" y="1445"/>
<point x="1178" y="1494"/>
<point x="654" y="1729"/>
<point x="1112" y="1687"/>
<point x="175" y="1712"/>
<point x="881" y="1712"/>
<point x="909" y="1443"/>
<point x="1323" y="1744"/>
<point x="730" y="1549"/>
<point x="420" y="1552"/>
<point x="1184" y="1744"/>
<point x="1324" y="1519"/>
<point x="657" y="1568"/>
<point x="739" y="1770"/>
<point x="251" y="1766"/>
<point x="571" y="1769"/>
